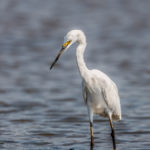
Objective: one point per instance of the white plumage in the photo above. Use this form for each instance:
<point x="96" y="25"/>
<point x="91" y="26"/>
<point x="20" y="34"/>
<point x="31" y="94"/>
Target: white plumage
<point x="100" y="93"/>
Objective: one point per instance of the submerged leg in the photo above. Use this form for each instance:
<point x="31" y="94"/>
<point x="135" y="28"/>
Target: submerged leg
<point x="92" y="136"/>
<point x="112" y="133"/>
<point x="91" y="126"/>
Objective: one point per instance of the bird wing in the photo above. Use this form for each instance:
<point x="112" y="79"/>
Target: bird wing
<point x="112" y="100"/>
<point x="104" y="96"/>
<point x="109" y="91"/>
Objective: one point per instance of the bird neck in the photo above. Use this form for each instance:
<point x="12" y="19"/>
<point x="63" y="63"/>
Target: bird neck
<point x="80" y="60"/>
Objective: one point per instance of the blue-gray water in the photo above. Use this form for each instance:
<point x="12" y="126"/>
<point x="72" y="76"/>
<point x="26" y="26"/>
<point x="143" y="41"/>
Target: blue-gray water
<point x="42" y="109"/>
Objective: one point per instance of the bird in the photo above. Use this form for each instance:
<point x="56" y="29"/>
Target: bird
<point x="100" y="93"/>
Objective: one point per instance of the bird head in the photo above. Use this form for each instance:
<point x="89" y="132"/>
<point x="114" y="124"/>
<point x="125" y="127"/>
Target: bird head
<point x="71" y="37"/>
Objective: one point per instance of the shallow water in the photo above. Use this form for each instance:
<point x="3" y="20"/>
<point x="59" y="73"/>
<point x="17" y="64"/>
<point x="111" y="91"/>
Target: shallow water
<point x="40" y="109"/>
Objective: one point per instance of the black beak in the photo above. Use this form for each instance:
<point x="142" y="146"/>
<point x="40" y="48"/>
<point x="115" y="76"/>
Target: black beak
<point x="56" y="59"/>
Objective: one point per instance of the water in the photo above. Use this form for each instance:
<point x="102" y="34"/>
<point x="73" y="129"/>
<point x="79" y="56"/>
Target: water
<point x="40" y="109"/>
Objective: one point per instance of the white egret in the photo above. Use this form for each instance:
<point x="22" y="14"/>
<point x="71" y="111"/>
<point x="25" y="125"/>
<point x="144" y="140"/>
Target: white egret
<point x="100" y="93"/>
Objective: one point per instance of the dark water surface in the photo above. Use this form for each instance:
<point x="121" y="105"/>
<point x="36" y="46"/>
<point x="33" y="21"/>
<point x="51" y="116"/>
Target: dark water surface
<point x="42" y="110"/>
